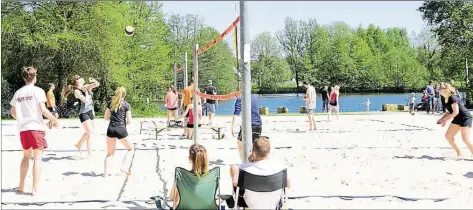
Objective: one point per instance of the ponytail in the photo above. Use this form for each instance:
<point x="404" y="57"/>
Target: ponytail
<point x="66" y="91"/>
<point x="117" y="99"/>
<point x="198" y="156"/>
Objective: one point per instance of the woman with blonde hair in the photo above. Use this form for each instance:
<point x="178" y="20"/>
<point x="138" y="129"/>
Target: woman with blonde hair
<point x="200" y="167"/>
<point x="171" y="103"/>
<point x="462" y="119"/>
<point x="333" y="104"/>
<point x="83" y="94"/>
<point x="119" y="113"/>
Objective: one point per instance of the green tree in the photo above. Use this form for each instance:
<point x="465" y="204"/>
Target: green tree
<point x="269" y="68"/>
<point x="452" y="22"/>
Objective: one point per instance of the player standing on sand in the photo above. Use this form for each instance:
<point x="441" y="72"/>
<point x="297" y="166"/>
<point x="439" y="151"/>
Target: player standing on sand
<point x="462" y="119"/>
<point x="83" y="93"/>
<point x="211" y="104"/>
<point x="27" y="107"/>
<point x="51" y="100"/>
<point x="310" y="99"/>
<point x="119" y="113"/>
<point x="187" y="94"/>
<point x="256" y="123"/>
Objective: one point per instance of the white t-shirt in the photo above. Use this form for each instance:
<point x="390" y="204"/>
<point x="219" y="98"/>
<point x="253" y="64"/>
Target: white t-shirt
<point x="27" y="102"/>
<point x="312" y="95"/>
<point x="262" y="200"/>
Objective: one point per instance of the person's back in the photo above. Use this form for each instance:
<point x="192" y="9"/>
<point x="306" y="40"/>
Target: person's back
<point x="260" y="164"/>
<point x="51" y="100"/>
<point x="312" y="95"/>
<point x="171" y="100"/>
<point x="188" y="93"/>
<point x="118" y="117"/>
<point x="262" y="200"/>
<point x="255" y="116"/>
<point x="324" y="94"/>
<point x="28" y="111"/>
<point x="211" y="90"/>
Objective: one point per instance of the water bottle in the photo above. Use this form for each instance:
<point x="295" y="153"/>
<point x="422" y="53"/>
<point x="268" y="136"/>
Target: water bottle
<point x="222" y="206"/>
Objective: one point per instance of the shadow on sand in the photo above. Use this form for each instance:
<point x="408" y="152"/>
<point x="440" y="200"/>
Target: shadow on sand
<point x="427" y="157"/>
<point x="93" y="174"/>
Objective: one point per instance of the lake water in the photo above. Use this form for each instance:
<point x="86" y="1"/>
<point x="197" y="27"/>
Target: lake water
<point x="349" y="102"/>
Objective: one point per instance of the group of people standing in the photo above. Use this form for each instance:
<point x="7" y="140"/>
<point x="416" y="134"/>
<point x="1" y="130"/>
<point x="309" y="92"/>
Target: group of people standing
<point x="30" y="103"/>
<point x="187" y="106"/>
<point x="433" y="100"/>
<point x="330" y="102"/>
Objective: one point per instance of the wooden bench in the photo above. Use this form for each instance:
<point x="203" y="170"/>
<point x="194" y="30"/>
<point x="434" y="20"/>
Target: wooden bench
<point x="160" y="128"/>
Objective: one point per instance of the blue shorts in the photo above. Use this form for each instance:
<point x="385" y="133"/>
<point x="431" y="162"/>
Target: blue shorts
<point x="210" y="108"/>
<point x="310" y="111"/>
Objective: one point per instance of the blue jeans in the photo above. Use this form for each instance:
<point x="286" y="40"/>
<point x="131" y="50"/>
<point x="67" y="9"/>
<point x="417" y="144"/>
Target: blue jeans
<point x="430" y="102"/>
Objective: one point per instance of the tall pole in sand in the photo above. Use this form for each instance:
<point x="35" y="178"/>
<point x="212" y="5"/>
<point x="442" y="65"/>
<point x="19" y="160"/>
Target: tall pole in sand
<point x="246" y="81"/>
<point x="467" y="82"/>
<point x="196" y="85"/>
<point x="174" y="68"/>
<point x="185" y="70"/>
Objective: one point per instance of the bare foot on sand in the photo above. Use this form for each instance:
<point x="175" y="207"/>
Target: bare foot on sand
<point x="21" y="188"/>
<point x="34" y="192"/>
<point x="78" y="148"/>
<point x="126" y="172"/>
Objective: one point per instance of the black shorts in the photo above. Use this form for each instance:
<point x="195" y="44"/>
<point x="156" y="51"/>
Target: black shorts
<point x="192" y="125"/>
<point x="256" y="132"/>
<point x="463" y="122"/>
<point x="172" y="109"/>
<point x="86" y="116"/>
<point x="117" y="132"/>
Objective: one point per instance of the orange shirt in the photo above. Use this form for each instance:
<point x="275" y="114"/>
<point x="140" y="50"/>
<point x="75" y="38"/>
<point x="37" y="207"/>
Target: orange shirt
<point x="50" y="99"/>
<point x="187" y="94"/>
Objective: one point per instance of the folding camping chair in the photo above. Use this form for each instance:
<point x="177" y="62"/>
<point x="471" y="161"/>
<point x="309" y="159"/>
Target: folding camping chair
<point x="194" y="192"/>
<point x="255" y="183"/>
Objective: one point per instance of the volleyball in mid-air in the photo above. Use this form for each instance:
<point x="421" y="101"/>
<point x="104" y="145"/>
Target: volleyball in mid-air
<point x="129" y="30"/>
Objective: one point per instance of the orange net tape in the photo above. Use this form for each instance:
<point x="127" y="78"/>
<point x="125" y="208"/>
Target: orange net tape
<point x="215" y="41"/>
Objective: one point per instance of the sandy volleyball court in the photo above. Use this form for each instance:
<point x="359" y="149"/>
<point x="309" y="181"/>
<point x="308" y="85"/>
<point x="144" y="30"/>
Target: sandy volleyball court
<point x="360" y="161"/>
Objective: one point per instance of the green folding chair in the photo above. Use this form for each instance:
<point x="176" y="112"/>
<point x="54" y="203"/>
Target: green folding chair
<point x="195" y="192"/>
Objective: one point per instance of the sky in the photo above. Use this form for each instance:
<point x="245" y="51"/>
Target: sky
<point x="269" y="15"/>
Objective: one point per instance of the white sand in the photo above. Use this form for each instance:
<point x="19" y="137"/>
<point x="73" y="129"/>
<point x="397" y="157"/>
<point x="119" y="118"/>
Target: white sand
<point x="377" y="155"/>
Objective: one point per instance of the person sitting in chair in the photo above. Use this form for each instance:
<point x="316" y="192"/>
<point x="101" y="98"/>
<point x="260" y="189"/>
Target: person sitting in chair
<point x="200" y="166"/>
<point x="260" y="164"/>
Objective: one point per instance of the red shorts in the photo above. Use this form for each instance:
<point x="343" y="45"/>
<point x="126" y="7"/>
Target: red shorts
<point x="33" y="139"/>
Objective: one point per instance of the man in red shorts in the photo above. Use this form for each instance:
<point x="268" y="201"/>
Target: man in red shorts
<point x="27" y="107"/>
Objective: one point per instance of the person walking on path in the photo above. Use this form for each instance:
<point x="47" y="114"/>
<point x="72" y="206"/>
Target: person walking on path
<point x="430" y="97"/>
<point x="211" y="105"/>
<point x="325" y="95"/>
<point x="118" y="112"/>
<point x="460" y="116"/>
<point x="310" y="104"/>
<point x="28" y="108"/>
